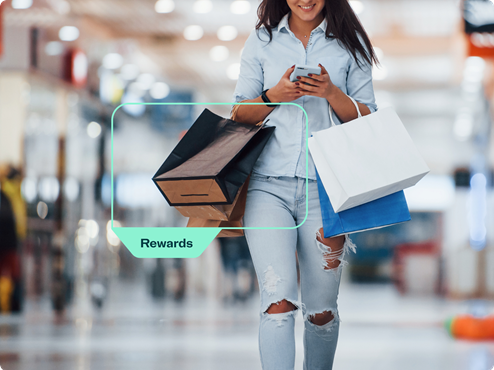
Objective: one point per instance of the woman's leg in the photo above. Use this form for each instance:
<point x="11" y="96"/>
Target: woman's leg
<point x="273" y="255"/>
<point x="321" y="261"/>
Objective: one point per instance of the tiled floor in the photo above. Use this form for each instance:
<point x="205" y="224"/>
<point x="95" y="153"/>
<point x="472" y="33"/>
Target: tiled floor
<point x="380" y="331"/>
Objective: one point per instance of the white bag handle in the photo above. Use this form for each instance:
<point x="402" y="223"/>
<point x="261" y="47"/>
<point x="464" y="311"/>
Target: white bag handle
<point x="331" y="110"/>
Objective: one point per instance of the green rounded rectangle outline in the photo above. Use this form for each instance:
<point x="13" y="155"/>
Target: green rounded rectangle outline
<point x="208" y="233"/>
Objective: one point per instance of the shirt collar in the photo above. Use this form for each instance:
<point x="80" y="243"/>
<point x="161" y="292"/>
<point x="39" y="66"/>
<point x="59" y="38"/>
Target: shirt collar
<point x="284" y="24"/>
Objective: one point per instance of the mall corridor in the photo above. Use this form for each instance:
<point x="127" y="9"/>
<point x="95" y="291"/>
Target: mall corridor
<point x="95" y="95"/>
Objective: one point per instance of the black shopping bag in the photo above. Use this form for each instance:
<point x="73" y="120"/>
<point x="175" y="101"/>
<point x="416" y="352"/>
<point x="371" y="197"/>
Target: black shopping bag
<point x="211" y="162"/>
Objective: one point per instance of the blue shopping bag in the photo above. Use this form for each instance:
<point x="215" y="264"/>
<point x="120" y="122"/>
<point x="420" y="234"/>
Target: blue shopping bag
<point x="386" y="211"/>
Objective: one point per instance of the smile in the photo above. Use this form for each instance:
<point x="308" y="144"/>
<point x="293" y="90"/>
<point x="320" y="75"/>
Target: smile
<point x="307" y="8"/>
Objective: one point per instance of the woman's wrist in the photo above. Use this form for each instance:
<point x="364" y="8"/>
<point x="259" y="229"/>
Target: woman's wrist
<point x="333" y="91"/>
<point x="271" y="94"/>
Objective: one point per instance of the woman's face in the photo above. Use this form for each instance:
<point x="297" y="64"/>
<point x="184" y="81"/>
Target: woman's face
<point x="306" y="10"/>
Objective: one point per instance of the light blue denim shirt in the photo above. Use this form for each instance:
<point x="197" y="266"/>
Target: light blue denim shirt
<point x="262" y="66"/>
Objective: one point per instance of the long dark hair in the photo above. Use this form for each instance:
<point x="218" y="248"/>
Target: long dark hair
<point x="341" y="22"/>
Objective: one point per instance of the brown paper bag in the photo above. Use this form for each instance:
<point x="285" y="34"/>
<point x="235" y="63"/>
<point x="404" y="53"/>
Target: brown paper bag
<point x="211" y="162"/>
<point x="234" y="217"/>
<point x="200" y="222"/>
<point x="229" y="212"/>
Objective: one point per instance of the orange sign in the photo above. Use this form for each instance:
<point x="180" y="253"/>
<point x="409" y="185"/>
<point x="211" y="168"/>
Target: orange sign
<point x="481" y="45"/>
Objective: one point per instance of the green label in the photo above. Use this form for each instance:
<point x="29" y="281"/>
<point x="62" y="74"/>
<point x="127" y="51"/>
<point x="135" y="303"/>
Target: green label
<point x="169" y="242"/>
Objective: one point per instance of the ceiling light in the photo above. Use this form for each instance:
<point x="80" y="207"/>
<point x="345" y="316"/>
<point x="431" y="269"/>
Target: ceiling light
<point x="93" y="129"/>
<point x="22" y="4"/>
<point x="193" y="32"/>
<point x="164" y="6"/>
<point x="112" y="61"/>
<point x="48" y="189"/>
<point x="227" y="33"/>
<point x="159" y="90"/>
<point x="29" y="189"/>
<point x="219" y="53"/>
<point x="240" y="7"/>
<point x="68" y="33"/>
<point x="202" y="6"/>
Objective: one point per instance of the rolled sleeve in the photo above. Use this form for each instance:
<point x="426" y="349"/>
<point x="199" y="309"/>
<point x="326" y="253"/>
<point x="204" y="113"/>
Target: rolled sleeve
<point x="359" y="83"/>
<point x="250" y="80"/>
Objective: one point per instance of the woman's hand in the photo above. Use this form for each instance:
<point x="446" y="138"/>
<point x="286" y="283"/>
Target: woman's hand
<point x="285" y="90"/>
<point x="320" y="86"/>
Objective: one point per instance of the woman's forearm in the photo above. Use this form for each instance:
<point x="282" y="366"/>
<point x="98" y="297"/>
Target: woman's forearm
<point x="339" y="101"/>
<point x="343" y="106"/>
<point x="252" y="114"/>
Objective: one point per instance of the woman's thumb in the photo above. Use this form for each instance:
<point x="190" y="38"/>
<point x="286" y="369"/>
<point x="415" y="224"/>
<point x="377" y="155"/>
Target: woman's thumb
<point x="289" y="71"/>
<point x="323" y="70"/>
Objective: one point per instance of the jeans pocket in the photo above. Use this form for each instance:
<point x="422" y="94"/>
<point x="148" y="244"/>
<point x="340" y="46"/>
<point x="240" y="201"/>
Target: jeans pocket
<point x="258" y="177"/>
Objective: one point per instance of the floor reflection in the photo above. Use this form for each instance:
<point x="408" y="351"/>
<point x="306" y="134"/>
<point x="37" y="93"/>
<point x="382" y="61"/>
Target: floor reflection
<point x="379" y="330"/>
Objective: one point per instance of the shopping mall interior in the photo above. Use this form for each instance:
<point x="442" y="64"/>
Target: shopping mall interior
<point x="74" y="155"/>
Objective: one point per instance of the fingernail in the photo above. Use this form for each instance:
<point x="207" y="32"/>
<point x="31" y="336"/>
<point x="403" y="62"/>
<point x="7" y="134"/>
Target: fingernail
<point x="292" y="66"/>
<point x="299" y="77"/>
<point x="310" y="75"/>
<point x="296" y="83"/>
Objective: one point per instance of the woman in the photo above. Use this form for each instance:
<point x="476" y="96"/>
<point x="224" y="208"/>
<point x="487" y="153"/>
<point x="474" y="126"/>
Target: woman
<point x="311" y="32"/>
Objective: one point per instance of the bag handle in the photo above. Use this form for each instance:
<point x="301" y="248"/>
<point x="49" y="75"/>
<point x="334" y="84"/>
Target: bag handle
<point x="331" y="110"/>
<point x="234" y="113"/>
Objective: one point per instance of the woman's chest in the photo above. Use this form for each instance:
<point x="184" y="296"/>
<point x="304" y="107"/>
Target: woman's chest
<point x="283" y="52"/>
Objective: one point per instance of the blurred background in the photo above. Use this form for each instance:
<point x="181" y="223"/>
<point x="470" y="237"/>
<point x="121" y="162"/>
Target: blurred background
<point x="73" y="297"/>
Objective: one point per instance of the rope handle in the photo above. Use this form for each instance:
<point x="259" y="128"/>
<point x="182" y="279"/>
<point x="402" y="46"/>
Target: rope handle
<point x="331" y="111"/>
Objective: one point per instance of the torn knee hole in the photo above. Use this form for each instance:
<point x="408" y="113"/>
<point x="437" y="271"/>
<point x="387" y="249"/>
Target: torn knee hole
<point x="281" y="307"/>
<point x="323" y="318"/>
<point x="331" y="248"/>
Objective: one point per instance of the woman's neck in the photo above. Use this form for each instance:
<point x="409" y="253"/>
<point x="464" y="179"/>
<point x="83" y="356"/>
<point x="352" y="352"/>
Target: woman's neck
<point x="299" y="26"/>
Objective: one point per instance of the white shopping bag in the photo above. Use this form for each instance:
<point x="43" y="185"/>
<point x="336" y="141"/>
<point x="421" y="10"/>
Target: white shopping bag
<point x="365" y="159"/>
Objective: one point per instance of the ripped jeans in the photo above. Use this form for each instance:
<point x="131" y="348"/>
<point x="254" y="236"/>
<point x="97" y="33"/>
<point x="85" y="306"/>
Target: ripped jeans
<point x="280" y="202"/>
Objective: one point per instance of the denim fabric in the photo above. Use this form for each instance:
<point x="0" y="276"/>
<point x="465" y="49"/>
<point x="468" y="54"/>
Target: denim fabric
<point x="281" y="202"/>
<point x="263" y="64"/>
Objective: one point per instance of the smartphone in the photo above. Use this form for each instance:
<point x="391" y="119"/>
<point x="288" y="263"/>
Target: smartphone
<point x="303" y="71"/>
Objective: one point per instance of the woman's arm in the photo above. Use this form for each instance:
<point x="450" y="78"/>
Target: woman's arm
<point x="359" y="87"/>
<point x="284" y="91"/>
<point x="344" y="107"/>
<point x="250" y="84"/>
<point x="252" y="114"/>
